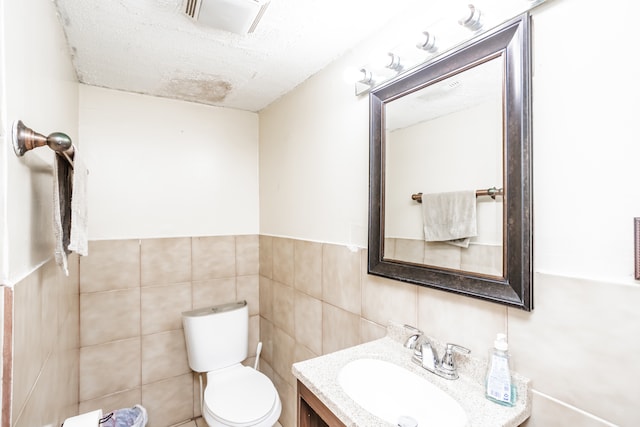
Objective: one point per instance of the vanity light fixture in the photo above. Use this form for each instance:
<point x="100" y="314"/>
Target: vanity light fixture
<point x="393" y="62"/>
<point x="364" y="82"/>
<point x="472" y="18"/>
<point x="366" y="77"/>
<point x="427" y="42"/>
<point x="363" y="79"/>
<point x="472" y="22"/>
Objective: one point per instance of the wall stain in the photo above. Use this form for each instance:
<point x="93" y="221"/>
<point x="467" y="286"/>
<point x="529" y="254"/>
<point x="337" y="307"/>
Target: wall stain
<point x="213" y="90"/>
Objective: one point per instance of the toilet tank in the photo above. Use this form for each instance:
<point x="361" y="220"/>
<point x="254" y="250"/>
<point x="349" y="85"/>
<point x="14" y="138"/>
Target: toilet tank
<point x="217" y="336"/>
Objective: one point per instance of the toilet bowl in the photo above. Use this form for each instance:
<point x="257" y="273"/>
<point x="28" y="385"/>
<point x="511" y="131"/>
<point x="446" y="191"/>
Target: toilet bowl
<point x="240" y="396"/>
<point x="235" y="395"/>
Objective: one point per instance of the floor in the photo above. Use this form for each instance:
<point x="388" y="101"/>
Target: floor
<point x="199" y="422"/>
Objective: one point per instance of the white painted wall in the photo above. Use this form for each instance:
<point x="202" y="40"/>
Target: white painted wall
<point x="39" y="87"/>
<point x="166" y="168"/>
<point x="314" y="162"/>
<point x="585" y="143"/>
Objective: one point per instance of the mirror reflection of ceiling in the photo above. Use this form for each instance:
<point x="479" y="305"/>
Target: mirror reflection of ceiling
<point x="459" y="92"/>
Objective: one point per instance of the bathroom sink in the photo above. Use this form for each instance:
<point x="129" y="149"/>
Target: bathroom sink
<point x="399" y="396"/>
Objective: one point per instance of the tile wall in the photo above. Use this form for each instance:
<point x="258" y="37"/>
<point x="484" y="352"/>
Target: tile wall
<point x="43" y="360"/>
<point x="482" y="258"/>
<point x="316" y="298"/>
<point x="313" y="301"/>
<point x="132" y="293"/>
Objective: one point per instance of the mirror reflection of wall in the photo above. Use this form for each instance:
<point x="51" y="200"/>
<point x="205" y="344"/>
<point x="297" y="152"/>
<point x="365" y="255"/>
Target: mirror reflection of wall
<point x="446" y="137"/>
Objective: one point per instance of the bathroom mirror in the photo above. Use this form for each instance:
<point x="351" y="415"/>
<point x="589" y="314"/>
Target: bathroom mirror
<point x="458" y="123"/>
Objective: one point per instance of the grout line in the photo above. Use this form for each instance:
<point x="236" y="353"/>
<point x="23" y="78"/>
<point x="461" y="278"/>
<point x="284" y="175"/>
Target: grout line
<point x="140" y="311"/>
<point x="322" y="299"/>
<point x="293" y="286"/>
<point x="7" y="355"/>
<point x="235" y="266"/>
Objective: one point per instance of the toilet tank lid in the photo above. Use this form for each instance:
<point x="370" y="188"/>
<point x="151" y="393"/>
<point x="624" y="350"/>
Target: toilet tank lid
<point x="215" y="309"/>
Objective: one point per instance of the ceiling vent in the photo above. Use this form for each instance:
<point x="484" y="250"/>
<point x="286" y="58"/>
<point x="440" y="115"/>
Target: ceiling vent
<point x="236" y="16"/>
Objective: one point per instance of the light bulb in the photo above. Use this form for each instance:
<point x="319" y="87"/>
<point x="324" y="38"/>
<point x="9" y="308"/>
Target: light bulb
<point x="365" y="76"/>
<point x="353" y="75"/>
<point x="427" y="42"/>
<point x="471" y="18"/>
<point x="393" y="62"/>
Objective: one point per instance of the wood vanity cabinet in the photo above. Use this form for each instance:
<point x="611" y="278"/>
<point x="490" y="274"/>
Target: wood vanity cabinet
<point x="312" y="412"/>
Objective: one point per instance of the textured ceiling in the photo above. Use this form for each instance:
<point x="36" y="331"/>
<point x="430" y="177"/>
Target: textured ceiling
<point x="151" y="47"/>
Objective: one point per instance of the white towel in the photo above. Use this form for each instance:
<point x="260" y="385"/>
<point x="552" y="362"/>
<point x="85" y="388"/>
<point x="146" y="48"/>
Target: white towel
<point x="450" y="217"/>
<point x="78" y="240"/>
<point x="69" y="208"/>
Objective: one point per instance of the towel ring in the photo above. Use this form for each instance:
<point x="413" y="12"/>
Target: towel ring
<point x="25" y="139"/>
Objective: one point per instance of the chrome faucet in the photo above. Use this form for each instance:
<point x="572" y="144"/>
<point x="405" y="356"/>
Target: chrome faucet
<point x="426" y="356"/>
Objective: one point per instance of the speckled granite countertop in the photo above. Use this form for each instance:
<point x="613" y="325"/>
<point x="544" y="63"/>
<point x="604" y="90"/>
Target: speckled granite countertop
<point x="320" y="375"/>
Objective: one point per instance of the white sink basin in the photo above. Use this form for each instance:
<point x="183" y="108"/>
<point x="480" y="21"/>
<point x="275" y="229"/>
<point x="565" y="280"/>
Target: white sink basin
<point x="392" y="393"/>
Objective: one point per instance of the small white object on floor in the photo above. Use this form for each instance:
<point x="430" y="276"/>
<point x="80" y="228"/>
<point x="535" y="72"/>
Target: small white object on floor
<point x="88" y="419"/>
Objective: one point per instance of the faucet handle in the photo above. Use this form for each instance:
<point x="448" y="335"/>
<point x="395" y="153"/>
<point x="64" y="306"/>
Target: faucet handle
<point x="460" y="349"/>
<point x="447" y="364"/>
<point x="411" y="341"/>
<point x="412" y="328"/>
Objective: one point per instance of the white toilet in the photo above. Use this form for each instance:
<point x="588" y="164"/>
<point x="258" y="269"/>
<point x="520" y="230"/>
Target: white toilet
<point x="235" y="395"/>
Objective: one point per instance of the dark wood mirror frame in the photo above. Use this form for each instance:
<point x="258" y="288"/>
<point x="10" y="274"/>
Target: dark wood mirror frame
<point x="511" y="40"/>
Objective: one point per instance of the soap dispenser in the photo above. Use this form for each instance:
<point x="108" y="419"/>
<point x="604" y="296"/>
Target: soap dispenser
<point x="499" y="387"/>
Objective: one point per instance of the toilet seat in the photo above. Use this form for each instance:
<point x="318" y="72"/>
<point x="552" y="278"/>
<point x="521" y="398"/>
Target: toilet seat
<point x="240" y="396"/>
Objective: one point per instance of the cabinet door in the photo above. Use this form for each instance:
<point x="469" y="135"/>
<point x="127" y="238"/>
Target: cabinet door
<point x="312" y="412"/>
